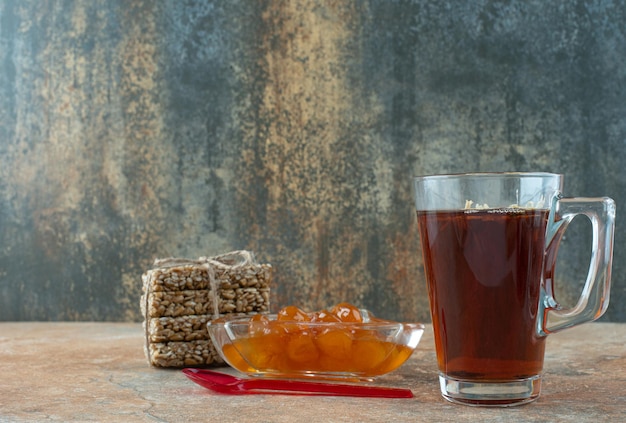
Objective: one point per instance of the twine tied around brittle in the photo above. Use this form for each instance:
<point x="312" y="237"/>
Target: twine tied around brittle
<point x="231" y="260"/>
<point x="227" y="261"/>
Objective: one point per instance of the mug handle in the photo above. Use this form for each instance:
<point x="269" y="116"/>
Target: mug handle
<point x="594" y="298"/>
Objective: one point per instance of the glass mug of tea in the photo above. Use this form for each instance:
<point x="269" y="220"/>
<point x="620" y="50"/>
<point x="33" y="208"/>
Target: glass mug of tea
<point x="489" y="243"/>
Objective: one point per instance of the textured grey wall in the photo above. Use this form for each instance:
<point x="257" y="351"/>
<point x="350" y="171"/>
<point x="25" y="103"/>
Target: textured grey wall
<point x="131" y="130"/>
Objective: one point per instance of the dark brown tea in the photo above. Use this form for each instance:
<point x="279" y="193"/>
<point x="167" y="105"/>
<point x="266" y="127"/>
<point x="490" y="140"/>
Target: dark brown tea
<point x="483" y="269"/>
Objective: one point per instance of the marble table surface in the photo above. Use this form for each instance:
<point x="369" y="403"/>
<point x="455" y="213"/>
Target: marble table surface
<point x="97" y="372"/>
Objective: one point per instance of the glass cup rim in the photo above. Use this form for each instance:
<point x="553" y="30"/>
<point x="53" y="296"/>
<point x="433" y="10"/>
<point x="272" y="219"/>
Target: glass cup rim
<point x="488" y="175"/>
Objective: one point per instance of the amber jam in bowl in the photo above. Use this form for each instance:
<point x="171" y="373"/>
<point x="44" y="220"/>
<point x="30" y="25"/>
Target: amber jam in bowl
<point x="341" y="343"/>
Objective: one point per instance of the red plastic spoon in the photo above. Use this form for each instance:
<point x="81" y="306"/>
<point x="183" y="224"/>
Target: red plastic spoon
<point x="227" y="384"/>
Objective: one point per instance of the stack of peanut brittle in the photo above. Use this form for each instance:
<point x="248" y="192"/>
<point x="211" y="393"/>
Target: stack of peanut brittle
<point x="180" y="296"/>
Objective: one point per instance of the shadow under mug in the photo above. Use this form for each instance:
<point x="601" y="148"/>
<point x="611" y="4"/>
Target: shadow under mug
<point x="489" y="244"/>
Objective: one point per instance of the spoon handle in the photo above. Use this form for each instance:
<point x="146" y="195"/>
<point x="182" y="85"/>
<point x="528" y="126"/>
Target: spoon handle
<point x="317" y="388"/>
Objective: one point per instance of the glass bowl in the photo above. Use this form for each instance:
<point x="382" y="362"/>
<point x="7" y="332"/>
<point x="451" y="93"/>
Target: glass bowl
<point x="323" y="350"/>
